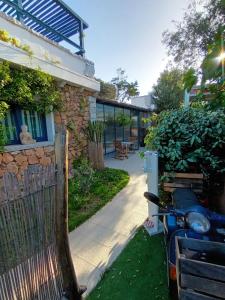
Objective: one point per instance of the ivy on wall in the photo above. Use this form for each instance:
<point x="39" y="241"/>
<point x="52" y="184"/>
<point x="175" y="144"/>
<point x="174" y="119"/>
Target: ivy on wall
<point x="29" y="89"/>
<point x="3" y="109"/>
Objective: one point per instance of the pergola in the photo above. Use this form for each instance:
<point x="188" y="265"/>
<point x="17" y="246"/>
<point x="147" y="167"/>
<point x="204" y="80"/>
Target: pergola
<point x="51" y="18"/>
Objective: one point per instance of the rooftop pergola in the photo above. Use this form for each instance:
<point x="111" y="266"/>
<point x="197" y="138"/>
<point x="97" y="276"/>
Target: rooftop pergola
<point x="51" y="18"/>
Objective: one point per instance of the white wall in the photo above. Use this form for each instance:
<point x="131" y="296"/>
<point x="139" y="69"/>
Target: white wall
<point x="142" y="101"/>
<point x="47" y="55"/>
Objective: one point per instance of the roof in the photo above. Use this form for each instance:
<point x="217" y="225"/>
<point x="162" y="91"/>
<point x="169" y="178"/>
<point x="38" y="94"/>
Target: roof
<point x="122" y="104"/>
<point x="51" y="18"/>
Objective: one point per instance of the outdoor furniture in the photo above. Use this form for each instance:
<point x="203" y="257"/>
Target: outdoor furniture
<point x="35" y="259"/>
<point x="129" y="146"/>
<point x="193" y="181"/>
<point x="134" y="141"/>
<point x="121" y="150"/>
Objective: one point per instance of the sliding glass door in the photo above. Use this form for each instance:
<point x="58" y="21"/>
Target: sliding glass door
<point x="110" y="128"/>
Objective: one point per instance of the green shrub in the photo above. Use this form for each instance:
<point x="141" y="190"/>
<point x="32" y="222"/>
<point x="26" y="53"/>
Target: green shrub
<point x="80" y="186"/>
<point x="189" y="140"/>
<point x="28" y="89"/>
<point x="94" y="131"/>
<point x="83" y="174"/>
<point x="3" y="110"/>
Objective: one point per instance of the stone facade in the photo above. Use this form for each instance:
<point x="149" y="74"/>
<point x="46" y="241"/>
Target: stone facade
<point x="92" y="105"/>
<point x="17" y="161"/>
<point x="75" y="117"/>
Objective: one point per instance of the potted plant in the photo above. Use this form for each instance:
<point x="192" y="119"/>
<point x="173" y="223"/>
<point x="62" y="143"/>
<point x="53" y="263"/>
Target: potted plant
<point x="94" y="133"/>
<point x="123" y="120"/>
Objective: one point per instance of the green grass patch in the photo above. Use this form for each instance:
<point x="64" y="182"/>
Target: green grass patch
<point x="139" y="273"/>
<point x="105" y="185"/>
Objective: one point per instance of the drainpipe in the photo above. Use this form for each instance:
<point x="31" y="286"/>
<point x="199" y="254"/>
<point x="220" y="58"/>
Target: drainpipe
<point x="151" y="168"/>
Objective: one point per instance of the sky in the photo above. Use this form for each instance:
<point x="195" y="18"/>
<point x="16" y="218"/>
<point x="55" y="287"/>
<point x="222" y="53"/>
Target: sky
<point x="127" y="34"/>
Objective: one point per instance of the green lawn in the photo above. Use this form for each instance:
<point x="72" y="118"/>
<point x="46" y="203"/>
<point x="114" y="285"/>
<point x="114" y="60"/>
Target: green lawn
<point x="138" y="274"/>
<point x="106" y="184"/>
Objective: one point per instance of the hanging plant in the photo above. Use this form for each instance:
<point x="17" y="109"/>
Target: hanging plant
<point x="123" y="120"/>
<point x="28" y="89"/>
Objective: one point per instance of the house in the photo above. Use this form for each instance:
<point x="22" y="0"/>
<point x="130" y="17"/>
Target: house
<point x="110" y="112"/>
<point x="145" y="101"/>
<point x="41" y="26"/>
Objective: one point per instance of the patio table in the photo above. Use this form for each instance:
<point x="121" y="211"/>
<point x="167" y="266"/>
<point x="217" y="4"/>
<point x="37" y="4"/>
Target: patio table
<point x="127" y="145"/>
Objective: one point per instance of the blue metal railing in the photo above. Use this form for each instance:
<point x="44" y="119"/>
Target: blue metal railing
<point x="51" y="18"/>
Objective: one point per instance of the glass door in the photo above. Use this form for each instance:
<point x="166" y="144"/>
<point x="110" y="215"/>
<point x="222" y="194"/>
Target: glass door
<point x="118" y="126"/>
<point x="110" y="128"/>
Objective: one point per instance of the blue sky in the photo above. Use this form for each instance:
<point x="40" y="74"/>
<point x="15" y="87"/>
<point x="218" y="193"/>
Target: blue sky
<point x="128" y="34"/>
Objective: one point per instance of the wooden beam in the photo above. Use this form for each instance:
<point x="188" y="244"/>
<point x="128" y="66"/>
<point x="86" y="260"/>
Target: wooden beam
<point x="184" y="175"/>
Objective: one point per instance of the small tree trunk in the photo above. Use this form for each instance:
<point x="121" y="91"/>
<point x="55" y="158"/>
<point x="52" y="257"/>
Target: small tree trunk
<point x="101" y="165"/>
<point x="96" y="157"/>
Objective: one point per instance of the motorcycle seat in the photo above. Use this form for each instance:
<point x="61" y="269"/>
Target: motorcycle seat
<point x="184" y="198"/>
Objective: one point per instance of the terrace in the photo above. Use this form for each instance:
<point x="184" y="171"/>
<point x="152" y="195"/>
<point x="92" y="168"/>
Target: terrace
<point x="51" y="18"/>
<point x="54" y="35"/>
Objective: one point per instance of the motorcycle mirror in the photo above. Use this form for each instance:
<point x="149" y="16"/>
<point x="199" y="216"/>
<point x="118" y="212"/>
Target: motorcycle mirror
<point x="153" y="198"/>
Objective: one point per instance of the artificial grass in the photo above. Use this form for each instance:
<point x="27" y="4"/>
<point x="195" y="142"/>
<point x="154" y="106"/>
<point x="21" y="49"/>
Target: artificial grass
<point x="106" y="184"/>
<point x="139" y="273"/>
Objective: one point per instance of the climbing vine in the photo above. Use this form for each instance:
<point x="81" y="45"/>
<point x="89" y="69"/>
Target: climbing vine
<point x="5" y="37"/>
<point x="28" y="89"/>
<point x="3" y="109"/>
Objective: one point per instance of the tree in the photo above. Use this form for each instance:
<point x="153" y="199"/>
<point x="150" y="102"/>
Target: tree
<point x="107" y="90"/>
<point x="188" y="44"/>
<point x="125" y="89"/>
<point x="168" y="92"/>
<point x="190" y="78"/>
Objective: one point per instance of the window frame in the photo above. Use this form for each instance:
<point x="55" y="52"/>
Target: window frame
<point x="17" y="113"/>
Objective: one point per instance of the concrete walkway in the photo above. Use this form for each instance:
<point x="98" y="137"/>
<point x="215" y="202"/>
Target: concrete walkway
<point x="97" y="243"/>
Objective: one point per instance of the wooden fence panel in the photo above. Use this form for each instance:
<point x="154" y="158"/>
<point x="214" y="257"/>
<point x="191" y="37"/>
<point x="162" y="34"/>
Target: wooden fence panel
<point x="35" y="260"/>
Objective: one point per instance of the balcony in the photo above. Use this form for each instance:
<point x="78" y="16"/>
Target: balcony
<point x="51" y="18"/>
<point x="42" y="25"/>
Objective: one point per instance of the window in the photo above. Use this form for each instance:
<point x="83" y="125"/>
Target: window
<point x="127" y="128"/>
<point x="119" y="129"/>
<point x="99" y="112"/>
<point x="36" y="123"/>
<point x="110" y="128"/>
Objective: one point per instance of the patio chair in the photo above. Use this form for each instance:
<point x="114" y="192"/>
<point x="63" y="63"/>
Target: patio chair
<point x="35" y="259"/>
<point x="121" y="150"/>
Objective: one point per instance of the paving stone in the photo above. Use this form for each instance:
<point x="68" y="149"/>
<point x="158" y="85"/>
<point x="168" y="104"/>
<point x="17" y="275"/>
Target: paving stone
<point x="98" y="242"/>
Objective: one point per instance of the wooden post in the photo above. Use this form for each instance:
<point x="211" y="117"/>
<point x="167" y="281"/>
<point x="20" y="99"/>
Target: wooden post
<point x="72" y="290"/>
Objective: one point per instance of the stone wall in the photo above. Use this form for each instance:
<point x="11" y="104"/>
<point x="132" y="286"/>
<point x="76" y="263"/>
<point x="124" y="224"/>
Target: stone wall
<point x="93" y="107"/>
<point x="75" y="116"/>
<point x="17" y="161"/>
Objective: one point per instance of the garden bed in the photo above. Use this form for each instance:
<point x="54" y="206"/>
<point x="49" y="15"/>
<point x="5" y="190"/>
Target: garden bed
<point x="138" y="273"/>
<point x="105" y="185"/>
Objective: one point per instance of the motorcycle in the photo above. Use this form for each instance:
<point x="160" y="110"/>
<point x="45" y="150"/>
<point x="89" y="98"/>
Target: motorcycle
<point x="186" y="217"/>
